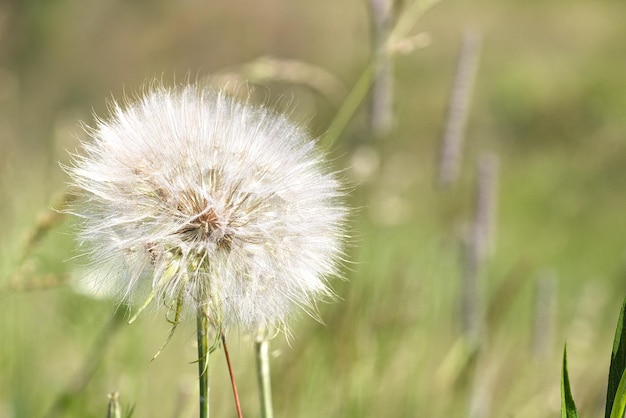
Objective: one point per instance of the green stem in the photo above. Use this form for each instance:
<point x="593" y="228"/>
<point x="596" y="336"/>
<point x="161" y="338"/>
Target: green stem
<point x="350" y="105"/>
<point x="408" y="18"/>
<point x="261" y="346"/>
<point x="363" y="85"/>
<point x="203" y="362"/>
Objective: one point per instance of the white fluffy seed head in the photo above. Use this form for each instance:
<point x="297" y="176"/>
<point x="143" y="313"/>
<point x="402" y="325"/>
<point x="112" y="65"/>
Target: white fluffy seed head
<point x="195" y="198"/>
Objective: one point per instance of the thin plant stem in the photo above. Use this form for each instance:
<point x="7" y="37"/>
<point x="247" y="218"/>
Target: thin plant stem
<point x="350" y="105"/>
<point x="261" y="347"/>
<point x="471" y="295"/>
<point x="477" y="247"/>
<point x="203" y="362"/>
<point x="363" y="85"/>
<point x="381" y="99"/>
<point x="232" y="377"/>
<point x="407" y="19"/>
<point x="318" y="79"/>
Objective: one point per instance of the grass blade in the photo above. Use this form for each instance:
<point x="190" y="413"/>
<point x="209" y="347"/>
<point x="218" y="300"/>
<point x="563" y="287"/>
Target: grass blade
<point x="618" y="363"/>
<point x="619" y="400"/>
<point x="568" y="407"/>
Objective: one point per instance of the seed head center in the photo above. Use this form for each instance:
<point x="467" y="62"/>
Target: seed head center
<point x="209" y="221"/>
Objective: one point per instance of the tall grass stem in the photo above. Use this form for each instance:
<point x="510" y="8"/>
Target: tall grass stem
<point x="381" y="100"/>
<point x="478" y="246"/>
<point x="471" y="295"/>
<point x="406" y="21"/>
<point x="350" y="105"/>
<point x="261" y="346"/>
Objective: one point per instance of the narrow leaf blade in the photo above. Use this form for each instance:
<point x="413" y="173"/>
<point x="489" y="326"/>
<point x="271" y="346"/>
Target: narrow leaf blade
<point x="568" y="407"/>
<point x="619" y="401"/>
<point x="618" y="362"/>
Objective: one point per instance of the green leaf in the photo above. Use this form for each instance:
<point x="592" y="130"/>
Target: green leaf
<point x="618" y="363"/>
<point x="619" y="404"/>
<point x="568" y="407"/>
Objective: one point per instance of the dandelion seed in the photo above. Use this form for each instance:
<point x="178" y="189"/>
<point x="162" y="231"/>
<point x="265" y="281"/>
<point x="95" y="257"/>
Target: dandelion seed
<point x="189" y="195"/>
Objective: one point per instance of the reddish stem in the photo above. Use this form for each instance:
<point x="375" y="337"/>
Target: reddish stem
<point x="232" y="377"/>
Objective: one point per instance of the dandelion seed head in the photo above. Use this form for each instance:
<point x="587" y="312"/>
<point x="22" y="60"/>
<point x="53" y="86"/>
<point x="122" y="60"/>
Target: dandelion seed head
<point x="192" y="196"/>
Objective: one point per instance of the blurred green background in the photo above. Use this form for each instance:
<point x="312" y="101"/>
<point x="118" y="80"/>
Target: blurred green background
<point x="549" y="101"/>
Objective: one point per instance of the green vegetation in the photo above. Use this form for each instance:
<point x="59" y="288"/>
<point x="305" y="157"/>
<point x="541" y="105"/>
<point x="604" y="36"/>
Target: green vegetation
<point x="548" y="102"/>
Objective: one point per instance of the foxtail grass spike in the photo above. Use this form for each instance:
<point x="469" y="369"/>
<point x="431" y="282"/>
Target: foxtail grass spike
<point x="474" y="248"/>
<point x="451" y="146"/>
<point x="486" y="204"/>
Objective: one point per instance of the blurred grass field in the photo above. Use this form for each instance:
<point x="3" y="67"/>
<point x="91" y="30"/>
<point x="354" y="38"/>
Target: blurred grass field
<point x="548" y="101"/>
